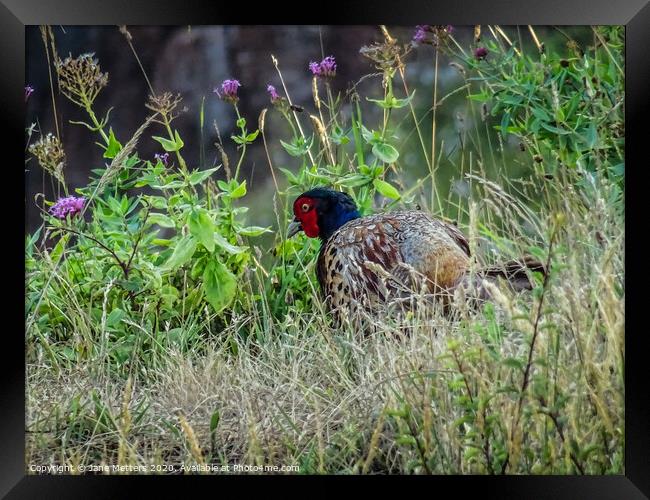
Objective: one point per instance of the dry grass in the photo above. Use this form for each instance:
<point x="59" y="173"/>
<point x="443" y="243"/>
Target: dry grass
<point x="425" y="393"/>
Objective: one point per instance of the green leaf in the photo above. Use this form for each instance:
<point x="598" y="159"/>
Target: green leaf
<point x="169" y="295"/>
<point x="338" y="136"/>
<point x="179" y="141"/>
<point x="591" y="136"/>
<point x="252" y="136"/>
<point x="382" y="103"/>
<point x="385" y="152"/>
<point x="386" y="189"/>
<point x="555" y="130"/>
<point x="369" y="136"/>
<point x="505" y="119"/>
<point x="202" y="228"/>
<point x="214" y="421"/>
<point x="198" y="267"/>
<point x="541" y="114"/>
<point x="391" y="101"/>
<point x="239" y="191"/>
<point x="182" y="253"/>
<point x="115" y="317"/>
<point x="483" y="96"/>
<point x="169" y="185"/>
<point x="406" y="440"/>
<point x="298" y="147"/>
<point x="400" y="103"/>
<point x="161" y="219"/>
<point x="169" y="145"/>
<point x="115" y="206"/>
<point x="226" y="245"/>
<point x="512" y="100"/>
<point x="290" y="176"/>
<point x="514" y="363"/>
<point x="113" y="147"/>
<point x="199" y="176"/>
<point x="354" y="180"/>
<point x="253" y="230"/>
<point x="219" y="285"/>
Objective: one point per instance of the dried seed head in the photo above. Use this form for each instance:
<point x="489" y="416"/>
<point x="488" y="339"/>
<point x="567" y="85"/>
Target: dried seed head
<point x="387" y="56"/>
<point x="49" y="152"/>
<point x="314" y="92"/>
<point x="477" y="33"/>
<point x="164" y="103"/>
<point x="81" y="79"/>
<point x="126" y="33"/>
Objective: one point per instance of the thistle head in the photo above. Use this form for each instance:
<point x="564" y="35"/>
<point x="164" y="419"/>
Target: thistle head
<point x="228" y="91"/>
<point x="324" y="69"/>
<point x="70" y="205"/>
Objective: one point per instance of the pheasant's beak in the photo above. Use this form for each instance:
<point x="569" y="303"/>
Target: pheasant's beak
<point x="293" y="228"/>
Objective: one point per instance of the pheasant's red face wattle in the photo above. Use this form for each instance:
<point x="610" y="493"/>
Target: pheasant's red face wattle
<point x="305" y="211"/>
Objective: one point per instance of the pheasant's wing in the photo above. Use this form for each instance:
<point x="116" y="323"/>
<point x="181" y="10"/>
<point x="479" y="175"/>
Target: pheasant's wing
<point x="434" y="248"/>
<point x="359" y="260"/>
<point x="456" y="235"/>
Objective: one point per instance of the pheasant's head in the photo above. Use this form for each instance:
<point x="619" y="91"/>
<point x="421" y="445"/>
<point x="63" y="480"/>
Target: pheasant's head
<point x="321" y="211"/>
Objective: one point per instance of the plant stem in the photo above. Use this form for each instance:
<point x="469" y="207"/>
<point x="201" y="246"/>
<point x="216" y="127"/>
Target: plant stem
<point x="243" y="150"/>
<point x="433" y="133"/>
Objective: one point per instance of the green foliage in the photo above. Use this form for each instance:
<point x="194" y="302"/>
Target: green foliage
<point x="566" y="108"/>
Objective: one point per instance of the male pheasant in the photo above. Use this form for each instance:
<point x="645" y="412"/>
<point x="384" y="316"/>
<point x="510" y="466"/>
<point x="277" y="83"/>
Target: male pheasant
<point x="365" y="260"/>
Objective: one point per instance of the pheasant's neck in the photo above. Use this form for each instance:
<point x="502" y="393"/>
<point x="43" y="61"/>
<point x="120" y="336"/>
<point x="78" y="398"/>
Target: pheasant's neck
<point x="336" y="219"/>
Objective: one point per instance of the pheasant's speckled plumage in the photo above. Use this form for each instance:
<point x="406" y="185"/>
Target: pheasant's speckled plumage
<point x="391" y="255"/>
<point x="378" y="258"/>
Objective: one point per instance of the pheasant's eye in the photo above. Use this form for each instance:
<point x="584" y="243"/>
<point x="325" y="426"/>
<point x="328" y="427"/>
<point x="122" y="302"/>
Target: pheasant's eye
<point x="305" y="207"/>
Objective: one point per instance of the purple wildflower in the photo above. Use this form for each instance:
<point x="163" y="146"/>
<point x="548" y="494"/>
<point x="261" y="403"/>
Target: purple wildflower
<point x="430" y="34"/>
<point x="67" y="206"/>
<point x="28" y="91"/>
<point x="314" y="67"/>
<point x="481" y="53"/>
<point x="324" y="69"/>
<point x="273" y="93"/>
<point x="420" y="33"/>
<point x="328" y="67"/>
<point x="162" y="158"/>
<point x="228" y="90"/>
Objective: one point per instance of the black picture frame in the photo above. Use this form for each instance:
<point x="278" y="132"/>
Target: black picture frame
<point x="634" y="14"/>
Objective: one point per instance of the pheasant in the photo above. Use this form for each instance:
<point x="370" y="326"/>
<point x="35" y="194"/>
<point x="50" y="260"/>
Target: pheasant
<point x="378" y="258"/>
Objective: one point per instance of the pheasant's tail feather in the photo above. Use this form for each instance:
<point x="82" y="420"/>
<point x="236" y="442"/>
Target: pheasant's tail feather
<point x="516" y="272"/>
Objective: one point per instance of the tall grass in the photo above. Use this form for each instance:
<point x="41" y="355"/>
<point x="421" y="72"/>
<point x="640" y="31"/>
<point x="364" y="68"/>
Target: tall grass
<point x="143" y="355"/>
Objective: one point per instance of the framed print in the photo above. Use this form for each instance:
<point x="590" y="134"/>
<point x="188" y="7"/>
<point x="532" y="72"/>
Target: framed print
<point x="360" y="245"/>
